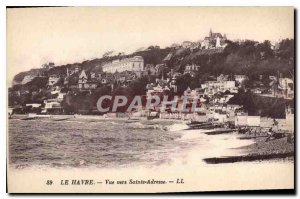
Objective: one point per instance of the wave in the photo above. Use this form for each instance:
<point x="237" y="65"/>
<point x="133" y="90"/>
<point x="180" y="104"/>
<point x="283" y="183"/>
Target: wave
<point x="177" y="127"/>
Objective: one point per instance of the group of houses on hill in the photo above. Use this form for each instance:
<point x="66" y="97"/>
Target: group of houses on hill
<point x="212" y="41"/>
<point x="123" y="71"/>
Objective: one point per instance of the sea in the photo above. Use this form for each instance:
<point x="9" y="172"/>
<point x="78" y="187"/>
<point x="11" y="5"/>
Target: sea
<point x="45" y="149"/>
<point x="99" y="143"/>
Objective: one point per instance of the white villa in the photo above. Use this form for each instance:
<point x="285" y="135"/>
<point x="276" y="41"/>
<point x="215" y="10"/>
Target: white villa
<point x="135" y="64"/>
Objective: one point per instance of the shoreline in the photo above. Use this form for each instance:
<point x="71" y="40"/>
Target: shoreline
<point x="260" y="150"/>
<point x="257" y="151"/>
<point x="204" y="176"/>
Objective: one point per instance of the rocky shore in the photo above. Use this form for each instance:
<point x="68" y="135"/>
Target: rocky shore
<point x="261" y="149"/>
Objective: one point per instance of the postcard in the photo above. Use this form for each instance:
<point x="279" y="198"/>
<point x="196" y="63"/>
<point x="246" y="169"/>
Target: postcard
<point x="150" y="99"/>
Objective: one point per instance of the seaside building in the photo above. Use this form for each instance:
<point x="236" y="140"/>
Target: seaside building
<point x="135" y="64"/>
<point x="246" y="120"/>
<point x="52" y="107"/>
<point x="34" y="105"/>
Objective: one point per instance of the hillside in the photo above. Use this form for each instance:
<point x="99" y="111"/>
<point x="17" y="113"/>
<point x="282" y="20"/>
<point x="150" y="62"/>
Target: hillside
<point x="251" y="58"/>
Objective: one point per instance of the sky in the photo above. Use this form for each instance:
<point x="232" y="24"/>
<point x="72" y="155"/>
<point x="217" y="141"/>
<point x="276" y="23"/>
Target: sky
<point x="73" y="34"/>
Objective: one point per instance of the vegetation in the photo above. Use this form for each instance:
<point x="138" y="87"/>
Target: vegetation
<point x="259" y="105"/>
<point x="256" y="60"/>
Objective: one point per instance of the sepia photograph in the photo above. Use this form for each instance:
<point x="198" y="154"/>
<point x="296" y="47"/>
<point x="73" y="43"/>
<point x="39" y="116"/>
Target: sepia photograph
<point x="150" y="99"/>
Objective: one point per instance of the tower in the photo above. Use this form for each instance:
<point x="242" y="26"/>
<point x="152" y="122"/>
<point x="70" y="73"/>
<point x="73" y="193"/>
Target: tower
<point x="210" y="33"/>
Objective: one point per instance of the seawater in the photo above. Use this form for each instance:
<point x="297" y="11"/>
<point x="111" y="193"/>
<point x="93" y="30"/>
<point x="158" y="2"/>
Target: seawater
<point x="83" y="143"/>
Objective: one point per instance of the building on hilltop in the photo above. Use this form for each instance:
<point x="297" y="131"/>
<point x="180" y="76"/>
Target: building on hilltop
<point x="214" y="40"/>
<point x="48" y="66"/>
<point x="186" y="44"/>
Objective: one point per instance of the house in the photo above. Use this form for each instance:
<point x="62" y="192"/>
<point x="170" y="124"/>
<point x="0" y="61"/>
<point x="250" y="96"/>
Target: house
<point x="246" y="120"/>
<point x="240" y="79"/>
<point x="61" y="96"/>
<point x="222" y="77"/>
<point x="34" y="105"/>
<point x="76" y="69"/>
<point x="213" y="87"/>
<point x="150" y="70"/>
<point x="205" y="44"/>
<point x="157" y="90"/>
<point x="55" y="90"/>
<point x="107" y="78"/>
<point x="282" y="87"/>
<point x="160" y="68"/>
<point x="48" y="66"/>
<point x="289" y="118"/>
<point x="286" y="87"/>
<point x="233" y="107"/>
<point x="53" y="79"/>
<point x="32" y="108"/>
<point x="173" y="84"/>
<point x="191" y="69"/>
<point x="195" y="45"/>
<point x="197" y="93"/>
<point x="186" y="44"/>
<point x="125" y="77"/>
<point x="135" y="63"/>
<point x="52" y="107"/>
<point x="86" y="82"/>
<point x="214" y="40"/>
<point x="168" y="57"/>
